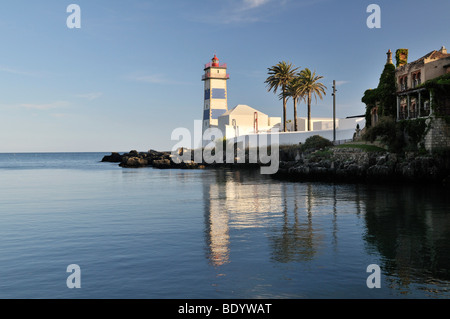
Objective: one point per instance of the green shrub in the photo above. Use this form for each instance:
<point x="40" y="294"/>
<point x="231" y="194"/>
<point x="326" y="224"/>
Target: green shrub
<point x="387" y="132"/>
<point x="365" y="147"/>
<point x="414" y="130"/>
<point x="315" y="142"/>
<point x="317" y="156"/>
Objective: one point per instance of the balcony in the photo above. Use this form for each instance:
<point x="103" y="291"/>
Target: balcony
<point x="223" y="65"/>
<point x="208" y="75"/>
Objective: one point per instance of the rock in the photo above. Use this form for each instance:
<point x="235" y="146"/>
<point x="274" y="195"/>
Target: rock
<point x="162" y="163"/>
<point x="113" y="158"/>
<point x="381" y="160"/>
<point x="134" y="162"/>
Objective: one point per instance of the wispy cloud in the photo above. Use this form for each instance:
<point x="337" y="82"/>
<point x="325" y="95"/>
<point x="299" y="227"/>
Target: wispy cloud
<point x="10" y="70"/>
<point x="48" y="106"/>
<point x="61" y="115"/>
<point x="249" y="11"/>
<point x="235" y="11"/>
<point x="90" y="96"/>
<point x="339" y="83"/>
<point x="251" y="4"/>
<point x="153" y="79"/>
<point x="251" y="73"/>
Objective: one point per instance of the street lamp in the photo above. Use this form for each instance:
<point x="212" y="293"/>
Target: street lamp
<point x="334" y="110"/>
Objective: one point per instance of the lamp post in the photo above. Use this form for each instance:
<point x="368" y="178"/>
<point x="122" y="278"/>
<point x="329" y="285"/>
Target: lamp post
<point x="334" y="110"/>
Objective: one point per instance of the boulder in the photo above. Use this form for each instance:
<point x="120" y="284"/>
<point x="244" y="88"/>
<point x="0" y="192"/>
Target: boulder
<point x="162" y="163"/>
<point x="113" y="158"/>
<point x="134" y="162"/>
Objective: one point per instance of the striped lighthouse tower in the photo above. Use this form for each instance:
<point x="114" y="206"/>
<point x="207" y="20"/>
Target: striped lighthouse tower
<point x="215" y="101"/>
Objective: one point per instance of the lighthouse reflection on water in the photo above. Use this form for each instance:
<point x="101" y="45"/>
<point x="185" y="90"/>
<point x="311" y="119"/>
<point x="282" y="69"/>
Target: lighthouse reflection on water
<point x="317" y="239"/>
<point x="238" y="203"/>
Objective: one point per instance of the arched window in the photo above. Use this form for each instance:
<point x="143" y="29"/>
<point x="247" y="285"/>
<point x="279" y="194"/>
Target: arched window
<point x="416" y="79"/>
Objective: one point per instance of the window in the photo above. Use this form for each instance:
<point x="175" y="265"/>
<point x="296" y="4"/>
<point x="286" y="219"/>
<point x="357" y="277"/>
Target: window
<point x="402" y="83"/>
<point x="416" y="79"/>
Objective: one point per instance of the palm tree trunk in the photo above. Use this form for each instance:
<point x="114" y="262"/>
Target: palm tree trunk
<point x="309" y="111"/>
<point x="284" y="110"/>
<point x="295" y="115"/>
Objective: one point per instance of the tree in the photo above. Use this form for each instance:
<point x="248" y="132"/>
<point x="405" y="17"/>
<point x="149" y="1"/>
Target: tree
<point x="311" y="87"/>
<point x="279" y="77"/>
<point x="383" y="96"/>
<point x="295" y="91"/>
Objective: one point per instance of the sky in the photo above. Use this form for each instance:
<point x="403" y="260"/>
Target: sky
<point x="131" y="73"/>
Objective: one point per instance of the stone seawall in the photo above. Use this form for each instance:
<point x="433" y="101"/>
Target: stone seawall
<point x="357" y="165"/>
<point x="438" y="135"/>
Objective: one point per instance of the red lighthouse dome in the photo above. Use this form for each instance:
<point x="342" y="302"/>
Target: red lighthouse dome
<point x="215" y="61"/>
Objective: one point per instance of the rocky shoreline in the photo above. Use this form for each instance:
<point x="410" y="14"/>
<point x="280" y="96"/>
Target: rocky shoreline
<point x="163" y="160"/>
<point x="333" y="164"/>
<point x="357" y="165"/>
<point x="152" y="158"/>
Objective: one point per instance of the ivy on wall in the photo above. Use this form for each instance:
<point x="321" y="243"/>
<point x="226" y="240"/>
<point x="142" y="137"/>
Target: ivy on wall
<point x="415" y="130"/>
<point x="440" y="87"/>
<point x="401" y="57"/>
<point x="384" y="94"/>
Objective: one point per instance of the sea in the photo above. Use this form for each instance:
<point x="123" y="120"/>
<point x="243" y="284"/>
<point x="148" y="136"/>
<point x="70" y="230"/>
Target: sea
<point x="73" y="227"/>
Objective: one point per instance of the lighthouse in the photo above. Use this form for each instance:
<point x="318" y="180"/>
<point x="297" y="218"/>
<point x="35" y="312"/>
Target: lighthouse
<point x="215" y="89"/>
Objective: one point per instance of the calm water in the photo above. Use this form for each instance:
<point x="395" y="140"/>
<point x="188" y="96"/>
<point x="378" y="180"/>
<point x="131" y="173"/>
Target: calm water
<point x="146" y="233"/>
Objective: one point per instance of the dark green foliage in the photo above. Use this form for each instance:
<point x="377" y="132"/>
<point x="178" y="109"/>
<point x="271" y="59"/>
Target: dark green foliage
<point x="387" y="132"/>
<point x="365" y="147"/>
<point x="386" y="91"/>
<point x="320" y="155"/>
<point x="370" y="96"/>
<point x="315" y="142"/>
<point x="279" y="77"/>
<point x="414" y="130"/>
<point x="370" y="99"/>
<point x="398" y="136"/>
<point x="440" y="87"/>
<point x="384" y="95"/>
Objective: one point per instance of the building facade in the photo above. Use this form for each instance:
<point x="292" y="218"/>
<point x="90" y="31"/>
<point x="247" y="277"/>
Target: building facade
<point x="414" y="100"/>
<point x="243" y="120"/>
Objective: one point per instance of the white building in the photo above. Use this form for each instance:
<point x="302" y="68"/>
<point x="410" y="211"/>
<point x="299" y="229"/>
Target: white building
<point x="243" y="120"/>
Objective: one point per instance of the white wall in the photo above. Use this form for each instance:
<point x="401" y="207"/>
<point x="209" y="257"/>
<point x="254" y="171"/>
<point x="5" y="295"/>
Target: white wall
<point x="344" y="132"/>
<point x="274" y="121"/>
<point x="323" y="125"/>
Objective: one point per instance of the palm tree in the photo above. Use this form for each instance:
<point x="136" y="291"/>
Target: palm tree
<point x="311" y="87"/>
<point x="279" y="76"/>
<point x="295" y="90"/>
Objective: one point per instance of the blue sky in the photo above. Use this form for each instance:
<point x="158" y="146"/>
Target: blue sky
<point x="132" y="73"/>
